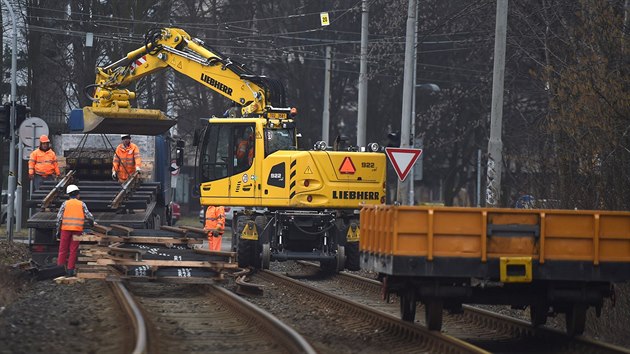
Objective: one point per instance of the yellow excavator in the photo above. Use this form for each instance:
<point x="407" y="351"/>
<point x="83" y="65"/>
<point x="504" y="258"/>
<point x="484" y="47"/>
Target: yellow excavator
<point x="300" y="204"/>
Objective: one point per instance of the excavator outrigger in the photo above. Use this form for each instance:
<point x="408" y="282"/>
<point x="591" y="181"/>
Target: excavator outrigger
<point x="299" y="204"/>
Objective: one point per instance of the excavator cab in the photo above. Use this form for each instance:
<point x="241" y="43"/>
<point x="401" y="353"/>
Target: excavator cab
<point x="229" y="147"/>
<point x="232" y="157"/>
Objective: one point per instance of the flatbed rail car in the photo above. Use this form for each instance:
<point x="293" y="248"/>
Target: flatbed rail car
<point x="554" y="261"/>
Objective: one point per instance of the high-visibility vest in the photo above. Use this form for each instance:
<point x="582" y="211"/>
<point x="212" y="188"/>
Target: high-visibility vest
<point x="73" y="216"/>
<point x="215" y="219"/>
<point x="43" y="163"/>
<point x="245" y="147"/>
<point x="125" y="160"/>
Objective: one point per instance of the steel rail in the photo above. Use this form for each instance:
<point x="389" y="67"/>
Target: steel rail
<point x="133" y="311"/>
<point x="498" y="322"/>
<point x="281" y="332"/>
<point x="441" y="342"/>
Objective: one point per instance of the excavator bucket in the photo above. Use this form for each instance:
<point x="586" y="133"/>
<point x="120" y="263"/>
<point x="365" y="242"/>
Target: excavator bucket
<point x="115" y="120"/>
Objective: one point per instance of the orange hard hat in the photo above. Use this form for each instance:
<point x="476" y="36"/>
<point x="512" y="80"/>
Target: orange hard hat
<point x="44" y="139"/>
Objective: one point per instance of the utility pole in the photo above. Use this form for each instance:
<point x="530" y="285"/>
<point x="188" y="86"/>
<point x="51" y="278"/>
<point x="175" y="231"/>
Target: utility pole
<point x="495" y="145"/>
<point x="408" y="90"/>
<point x="326" y="113"/>
<point x="11" y="180"/>
<point x="412" y="175"/>
<point x="363" y="81"/>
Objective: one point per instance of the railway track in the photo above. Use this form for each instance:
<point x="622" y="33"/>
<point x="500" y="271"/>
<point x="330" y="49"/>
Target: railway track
<point x="184" y="318"/>
<point x="484" y="329"/>
<point x="334" y="324"/>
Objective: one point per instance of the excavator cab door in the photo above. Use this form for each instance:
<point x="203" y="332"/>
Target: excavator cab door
<point x="226" y="159"/>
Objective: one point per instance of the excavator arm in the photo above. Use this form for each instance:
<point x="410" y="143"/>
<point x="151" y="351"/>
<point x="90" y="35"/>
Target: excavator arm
<point x="111" y="109"/>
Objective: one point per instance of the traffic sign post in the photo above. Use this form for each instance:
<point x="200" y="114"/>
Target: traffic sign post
<point x="29" y="132"/>
<point x="402" y="159"/>
<point x="31" y="129"/>
<point x="174" y="173"/>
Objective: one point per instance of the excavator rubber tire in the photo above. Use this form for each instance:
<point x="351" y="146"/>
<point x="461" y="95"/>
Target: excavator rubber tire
<point x="352" y="256"/>
<point x="236" y="233"/>
<point x="248" y="253"/>
<point x="351" y="248"/>
<point x="244" y="246"/>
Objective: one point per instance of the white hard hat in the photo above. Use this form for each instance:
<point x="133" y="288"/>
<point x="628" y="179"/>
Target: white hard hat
<point x="122" y="136"/>
<point x="72" y="188"/>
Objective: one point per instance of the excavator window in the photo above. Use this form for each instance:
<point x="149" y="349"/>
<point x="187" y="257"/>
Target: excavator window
<point x="244" y="147"/>
<point x="215" y="153"/>
<point x="226" y="150"/>
<point x="279" y="139"/>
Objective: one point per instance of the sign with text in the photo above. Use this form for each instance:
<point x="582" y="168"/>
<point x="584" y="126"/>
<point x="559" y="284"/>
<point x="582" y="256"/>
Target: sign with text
<point x="325" y="19"/>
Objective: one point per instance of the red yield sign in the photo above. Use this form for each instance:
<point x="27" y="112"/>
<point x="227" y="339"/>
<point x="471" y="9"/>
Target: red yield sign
<point x="403" y="160"/>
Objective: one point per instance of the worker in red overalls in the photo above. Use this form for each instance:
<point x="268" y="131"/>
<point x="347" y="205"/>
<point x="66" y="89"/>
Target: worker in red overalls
<point x="42" y="163"/>
<point x="126" y="159"/>
<point x="214" y="226"/>
<point x="70" y="219"/>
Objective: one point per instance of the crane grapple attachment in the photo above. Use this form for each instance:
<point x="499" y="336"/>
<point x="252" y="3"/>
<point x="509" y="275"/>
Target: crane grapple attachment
<point x="115" y="120"/>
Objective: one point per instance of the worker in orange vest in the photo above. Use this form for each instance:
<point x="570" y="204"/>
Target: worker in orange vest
<point x="42" y="164"/>
<point x="215" y="225"/>
<point x="245" y="148"/>
<point x="126" y="159"/>
<point x="70" y="218"/>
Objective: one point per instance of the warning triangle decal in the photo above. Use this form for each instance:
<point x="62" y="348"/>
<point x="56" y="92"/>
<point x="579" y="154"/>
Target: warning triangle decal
<point x="347" y="166"/>
<point x="403" y="160"/>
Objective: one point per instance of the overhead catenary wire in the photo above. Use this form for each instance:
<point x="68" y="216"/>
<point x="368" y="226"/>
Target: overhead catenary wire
<point x="270" y="54"/>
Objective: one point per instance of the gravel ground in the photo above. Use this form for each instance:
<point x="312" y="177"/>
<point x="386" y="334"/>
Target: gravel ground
<point x="45" y="317"/>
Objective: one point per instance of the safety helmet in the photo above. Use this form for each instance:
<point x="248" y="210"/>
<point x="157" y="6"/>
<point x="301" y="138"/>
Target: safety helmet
<point x="44" y="139"/>
<point x="123" y="136"/>
<point x="72" y="188"/>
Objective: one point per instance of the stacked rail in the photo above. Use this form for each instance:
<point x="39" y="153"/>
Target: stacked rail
<point x="171" y="254"/>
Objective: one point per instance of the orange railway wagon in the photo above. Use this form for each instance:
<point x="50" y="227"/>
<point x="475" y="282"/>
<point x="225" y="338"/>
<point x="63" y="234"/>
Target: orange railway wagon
<point x="554" y="261"/>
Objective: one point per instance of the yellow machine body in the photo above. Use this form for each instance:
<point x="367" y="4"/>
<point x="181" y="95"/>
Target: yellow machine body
<point x="299" y="204"/>
<point x="299" y="179"/>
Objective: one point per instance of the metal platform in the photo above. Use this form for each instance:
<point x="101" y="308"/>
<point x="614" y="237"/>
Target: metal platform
<point x="135" y="211"/>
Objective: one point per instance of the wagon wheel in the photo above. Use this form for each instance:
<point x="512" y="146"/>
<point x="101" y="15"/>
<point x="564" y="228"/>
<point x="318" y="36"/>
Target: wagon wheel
<point x="408" y="306"/>
<point x="576" y="319"/>
<point x="433" y="314"/>
<point x="538" y="314"/>
<point x="266" y="255"/>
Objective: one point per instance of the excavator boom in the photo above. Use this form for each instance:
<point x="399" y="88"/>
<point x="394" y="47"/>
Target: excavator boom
<point x="111" y="110"/>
